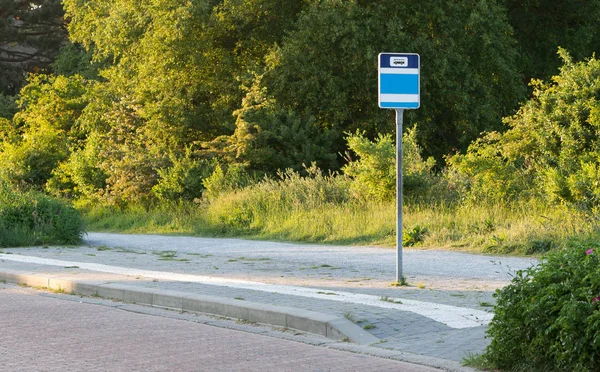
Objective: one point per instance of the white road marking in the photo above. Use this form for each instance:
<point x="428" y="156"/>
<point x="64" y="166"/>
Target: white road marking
<point x="452" y="316"/>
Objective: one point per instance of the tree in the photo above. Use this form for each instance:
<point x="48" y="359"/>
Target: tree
<point x="31" y="33"/>
<point x="542" y="26"/>
<point x="327" y="67"/>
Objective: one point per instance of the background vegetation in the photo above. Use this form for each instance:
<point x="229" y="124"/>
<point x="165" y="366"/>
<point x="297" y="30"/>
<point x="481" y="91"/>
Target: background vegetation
<point x="260" y="117"/>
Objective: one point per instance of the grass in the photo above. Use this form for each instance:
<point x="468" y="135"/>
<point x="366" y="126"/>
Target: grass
<point x="328" y="293"/>
<point x="477" y="361"/>
<point x="169" y="256"/>
<point x="369" y="326"/>
<point x="388" y="299"/>
<point x="305" y="212"/>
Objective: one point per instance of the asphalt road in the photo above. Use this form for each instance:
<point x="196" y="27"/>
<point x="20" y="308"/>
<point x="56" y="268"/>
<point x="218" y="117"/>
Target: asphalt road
<point x="49" y="332"/>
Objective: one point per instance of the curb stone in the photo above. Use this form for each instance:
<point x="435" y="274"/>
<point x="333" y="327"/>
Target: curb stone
<point x="330" y="326"/>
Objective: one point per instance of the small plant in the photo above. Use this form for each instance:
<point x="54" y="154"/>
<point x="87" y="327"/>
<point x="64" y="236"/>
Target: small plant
<point x="348" y="315"/>
<point x="388" y="299"/>
<point x="239" y="298"/>
<point x="485" y="304"/>
<point x="401" y="283"/>
<point x="369" y="326"/>
<point x="477" y="361"/>
<point x="169" y="256"/>
<point x="328" y="293"/>
<point x="413" y="236"/>
<point x="245" y="321"/>
<point x="103" y="248"/>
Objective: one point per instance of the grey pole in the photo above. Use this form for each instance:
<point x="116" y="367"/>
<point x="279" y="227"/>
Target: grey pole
<point x="399" y="119"/>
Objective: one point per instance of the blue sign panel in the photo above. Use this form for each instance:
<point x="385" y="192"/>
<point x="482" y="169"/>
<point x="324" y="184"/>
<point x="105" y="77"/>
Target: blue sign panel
<point x="399" y="82"/>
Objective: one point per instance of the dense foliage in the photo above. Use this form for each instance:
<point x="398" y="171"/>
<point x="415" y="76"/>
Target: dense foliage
<point x="552" y="147"/>
<point x="548" y="318"/>
<point x="30" y="218"/>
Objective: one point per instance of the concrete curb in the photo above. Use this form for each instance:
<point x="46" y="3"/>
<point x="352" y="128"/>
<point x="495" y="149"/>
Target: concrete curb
<point x="309" y="321"/>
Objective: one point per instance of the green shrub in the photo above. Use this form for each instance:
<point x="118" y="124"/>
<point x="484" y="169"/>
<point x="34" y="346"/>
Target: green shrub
<point x="235" y="177"/>
<point x="548" y="318"/>
<point x="183" y="179"/>
<point x="551" y="149"/>
<point x="31" y="218"/>
<point x="374" y="173"/>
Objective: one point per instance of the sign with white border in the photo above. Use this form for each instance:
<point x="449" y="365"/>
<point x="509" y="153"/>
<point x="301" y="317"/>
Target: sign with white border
<point x="399" y="80"/>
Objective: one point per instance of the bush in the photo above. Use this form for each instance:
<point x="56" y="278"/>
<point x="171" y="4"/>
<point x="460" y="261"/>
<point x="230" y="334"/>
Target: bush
<point x="374" y="173"/>
<point x="31" y="218"/>
<point x="551" y="149"/>
<point x="548" y="318"/>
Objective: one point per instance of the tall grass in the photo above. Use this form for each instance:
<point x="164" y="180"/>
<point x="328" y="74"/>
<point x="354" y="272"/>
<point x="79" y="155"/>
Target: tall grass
<point x="320" y="208"/>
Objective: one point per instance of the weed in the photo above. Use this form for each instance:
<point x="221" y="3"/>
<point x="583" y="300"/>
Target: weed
<point x="254" y="259"/>
<point x="169" y="256"/>
<point x="239" y="298"/>
<point x="388" y="299"/>
<point x="104" y="248"/>
<point x="3" y="281"/>
<point x="328" y="293"/>
<point x="413" y="236"/>
<point x="71" y="267"/>
<point x="90" y="254"/>
<point x="127" y="250"/>
<point x="348" y="315"/>
<point x="369" y="326"/>
<point x="477" y="361"/>
<point x="486" y="304"/>
<point x="401" y="283"/>
<point x="245" y="321"/>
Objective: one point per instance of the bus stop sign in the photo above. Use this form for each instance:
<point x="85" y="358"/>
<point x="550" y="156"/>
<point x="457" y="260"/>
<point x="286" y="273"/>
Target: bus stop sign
<point x="399" y="81"/>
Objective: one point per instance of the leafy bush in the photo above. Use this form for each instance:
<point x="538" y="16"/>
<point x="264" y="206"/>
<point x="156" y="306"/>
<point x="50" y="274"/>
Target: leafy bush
<point x="374" y="173"/>
<point x="235" y="177"/>
<point x="548" y="318"/>
<point x="30" y="218"/>
<point x="183" y="179"/>
<point x="552" y="148"/>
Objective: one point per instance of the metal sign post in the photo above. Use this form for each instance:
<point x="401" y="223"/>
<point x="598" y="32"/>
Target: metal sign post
<point x="399" y="89"/>
<point x="399" y="119"/>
